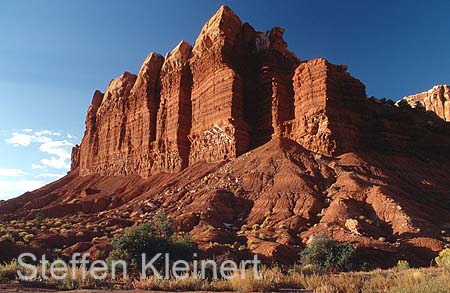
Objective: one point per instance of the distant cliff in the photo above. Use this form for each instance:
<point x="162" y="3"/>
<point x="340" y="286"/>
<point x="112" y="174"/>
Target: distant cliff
<point x="436" y="99"/>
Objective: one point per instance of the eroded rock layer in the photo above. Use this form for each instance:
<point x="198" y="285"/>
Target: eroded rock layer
<point x="121" y="124"/>
<point x="274" y="104"/>
<point x="329" y="106"/>
<point x="174" y="116"/>
<point x="219" y="130"/>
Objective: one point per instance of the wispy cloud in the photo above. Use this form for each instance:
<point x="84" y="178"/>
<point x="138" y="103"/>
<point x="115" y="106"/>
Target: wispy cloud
<point x="53" y="150"/>
<point x="37" y="167"/>
<point x="60" y="150"/>
<point x="11" y="188"/>
<point x="25" y="139"/>
<point x="49" y="175"/>
<point x="47" y="132"/>
<point x="56" y="163"/>
<point x="11" y="172"/>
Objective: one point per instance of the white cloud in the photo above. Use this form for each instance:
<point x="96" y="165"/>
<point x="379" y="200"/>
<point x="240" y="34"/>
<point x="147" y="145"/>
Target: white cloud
<point x="37" y="167"/>
<point x="55" y="149"/>
<point x="23" y="139"/>
<point x="62" y="149"/>
<point x="50" y="175"/>
<point x="59" y="149"/>
<point x="47" y="132"/>
<point x="11" y="172"/>
<point x="19" y="139"/>
<point x="56" y="163"/>
<point x="9" y="189"/>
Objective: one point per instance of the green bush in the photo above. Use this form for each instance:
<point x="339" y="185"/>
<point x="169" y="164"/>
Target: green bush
<point x="329" y="255"/>
<point x="443" y="259"/>
<point x="163" y="225"/>
<point x="39" y="217"/>
<point x="403" y="265"/>
<point x="151" y="238"/>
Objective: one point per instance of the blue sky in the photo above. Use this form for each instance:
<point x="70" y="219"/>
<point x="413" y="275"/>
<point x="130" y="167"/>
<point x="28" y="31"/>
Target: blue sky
<point x="54" y="54"/>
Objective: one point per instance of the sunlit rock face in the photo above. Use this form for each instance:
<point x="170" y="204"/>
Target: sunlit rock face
<point x="436" y="99"/>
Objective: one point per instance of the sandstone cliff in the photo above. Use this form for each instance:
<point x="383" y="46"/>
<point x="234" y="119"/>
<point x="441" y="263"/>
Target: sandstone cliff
<point x="234" y="90"/>
<point x="329" y="106"/>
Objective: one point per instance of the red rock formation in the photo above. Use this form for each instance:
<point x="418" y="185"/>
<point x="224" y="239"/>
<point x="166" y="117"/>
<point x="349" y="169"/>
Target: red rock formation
<point x="436" y="99"/>
<point x="328" y="104"/>
<point x="75" y="158"/>
<point x="232" y="70"/>
<point x="121" y="124"/>
<point x="140" y="127"/>
<point x="174" y="115"/>
<point x="219" y="130"/>
<point x="274" y="102"/>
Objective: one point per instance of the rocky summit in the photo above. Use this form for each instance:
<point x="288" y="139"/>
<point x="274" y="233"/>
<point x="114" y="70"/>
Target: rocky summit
<point x="251" y="149"/>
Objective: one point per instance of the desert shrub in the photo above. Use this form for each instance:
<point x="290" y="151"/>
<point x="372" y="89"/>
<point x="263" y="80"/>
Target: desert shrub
<point x="191" y="283"/>
<point x="8" y="271"/>
<point x="443" y="259"/>
<point x="151" y="238"/>
<point x="329" y="255"/>
<point x="403" y="265"/>
<point x="416" y="281"/>
<point x="39" y="217"/>
<point x="79" y="234"/>
<point x="7" y="237"/>
<point x="28" y="237"/>
<point x="163" y="225"/>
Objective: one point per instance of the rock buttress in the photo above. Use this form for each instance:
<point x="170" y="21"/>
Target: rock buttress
<point x="121" y="124"/>
<point x="329" y="107"/>
<point x="174" y="115"/>
<point x="219" y="130"/>
<point x="274" y="104"/>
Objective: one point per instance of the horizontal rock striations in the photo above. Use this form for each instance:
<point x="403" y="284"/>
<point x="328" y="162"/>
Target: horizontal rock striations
<point x="329" y="104"/>
<point x="219" y="130"/>
<point x="233" y="91"/>
<point x="121" y="124"/>
<point x="275" y="96"/>
<point x="173" y="123"/>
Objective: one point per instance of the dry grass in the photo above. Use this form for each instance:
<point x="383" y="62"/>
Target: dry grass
<point x="190" y="283"/>
<point x="8" y="272"/>
<point x="270" y="280"/>
<point x="428" y="280"/>
<point x="394" y="280"/>
<point x="413" y="280"/>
